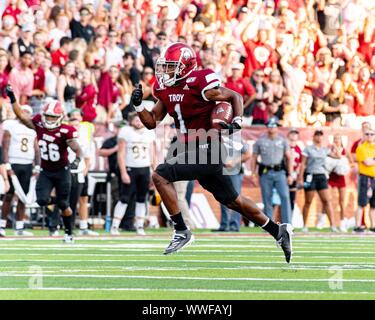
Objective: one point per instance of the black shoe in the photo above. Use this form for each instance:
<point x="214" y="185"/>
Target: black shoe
<point x="284" y="240"/>
<point x="234" y="229"/>
<point x="359" y="229"/>
<point x="221" y="229"/>
<point x="180" y="240"/>
<point x="372" y="230"/>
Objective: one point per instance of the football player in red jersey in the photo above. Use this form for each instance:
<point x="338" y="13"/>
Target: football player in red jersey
<point x="54" y="138"/>
<point x="189" y="95"/>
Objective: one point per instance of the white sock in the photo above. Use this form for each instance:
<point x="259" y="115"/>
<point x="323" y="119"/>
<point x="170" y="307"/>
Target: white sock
<point x="83" y="224"/>
<point x="140" y="214"/>
<point x="119" y="213"/>
<point x="3" y="223"/>
<point x="19" y="225"/>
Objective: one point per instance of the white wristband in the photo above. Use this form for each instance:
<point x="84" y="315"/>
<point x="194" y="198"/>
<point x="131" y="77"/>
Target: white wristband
<point x="8" y="166"/>
<point x="139" y="108"/>
<point x="37" y="169"/>
<point x="238" y="120"/>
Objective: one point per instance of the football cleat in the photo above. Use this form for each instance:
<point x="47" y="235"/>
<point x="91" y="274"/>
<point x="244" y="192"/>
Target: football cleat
<point x="68" y="239"/>
<point x="115" y="231"/>
<point x="284" y="240"/>
<point x="22" y="232"/>
<point x="54" y="233"/>
<point x="2" y="232"/>
<point x="141" y="232"/>
<point x="180" y="240"/>
<point x="87" y="232"/>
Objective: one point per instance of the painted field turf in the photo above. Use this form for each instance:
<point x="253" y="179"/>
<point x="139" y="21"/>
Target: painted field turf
<point x="215" y="266"/>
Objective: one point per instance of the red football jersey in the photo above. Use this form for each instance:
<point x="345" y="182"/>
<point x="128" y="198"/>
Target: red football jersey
<point x="53" y="145"/>
<point x="187" y="103"/>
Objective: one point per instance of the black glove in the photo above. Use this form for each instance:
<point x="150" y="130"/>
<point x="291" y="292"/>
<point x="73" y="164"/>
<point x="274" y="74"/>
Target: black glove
<point x="10" y="94"/>
<point x="74" y="165"/>
<point x="137" y="95"/>
<point x="232" y="127"/>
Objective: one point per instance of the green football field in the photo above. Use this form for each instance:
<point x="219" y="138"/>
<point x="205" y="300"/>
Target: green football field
<point x="216" y="266"/>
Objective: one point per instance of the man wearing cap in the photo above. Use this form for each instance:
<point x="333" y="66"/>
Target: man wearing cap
<point x="25" y="41"/>
<point x="275" y="169"/>
<point x="19" y="146"/>
<point x="240" y="84"/>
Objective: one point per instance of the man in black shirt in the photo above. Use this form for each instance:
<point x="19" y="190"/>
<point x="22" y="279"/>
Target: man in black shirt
<point x="24" y="42"/>
<point x="130" y="69"/>
<point x="149" y="50"/>
<point x="82" y="28"/>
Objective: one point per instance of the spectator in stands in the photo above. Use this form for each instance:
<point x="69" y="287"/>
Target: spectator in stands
<point x="67" y="86"/>
<point x="4" y="75"/>
<point x="95" y="54"/>
<point x="364" y="93"/>
<point x="51" y="75"/>
<point x="82" y="28"/>
<point x="149" y="50"/>
<point x="365" y="155"/>
<point x="335" y="104"/>
<point x="313" y="177"/>
<point x="24" y="42"/>
<point x="86" y="97"/>
<point x="21" y="78"/>
<point x="242" y="85"/>
<point x="294" y="76"/>
<point x="130" y="69"/>
<point x="38" y="92"/>
<point x="148" y="79"/>
<point x="61" y="30"/>
<point x="113" y="53"/>
<point x="258" y="107"/>
<point x="61" y="55"/>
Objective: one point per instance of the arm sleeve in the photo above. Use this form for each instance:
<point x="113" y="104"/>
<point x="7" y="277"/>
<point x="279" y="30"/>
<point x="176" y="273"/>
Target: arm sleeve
<point x="207" y="80"/>
<point x="71" y="134"/>
<point x="123" y="133"/>
<point x="286" y="146"/>
<point x="305" y="152"/>
<point x="5" y="126"/>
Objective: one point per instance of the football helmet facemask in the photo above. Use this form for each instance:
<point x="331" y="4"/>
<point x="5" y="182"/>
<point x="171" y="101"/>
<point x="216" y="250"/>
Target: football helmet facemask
<point x="52" y="114"/>
<point x="175" y="63"/>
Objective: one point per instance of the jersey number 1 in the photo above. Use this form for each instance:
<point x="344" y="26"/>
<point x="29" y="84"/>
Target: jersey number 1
<point x="177" y="109"/>
<point x="49" y="151"/>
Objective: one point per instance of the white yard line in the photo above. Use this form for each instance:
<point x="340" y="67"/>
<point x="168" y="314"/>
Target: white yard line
<point x="229" y="248"/>
<point x="287" y="269"/>
<point x="188" y="253"/>
<point x="103" y="276"/>
<point x="192" y="261"/>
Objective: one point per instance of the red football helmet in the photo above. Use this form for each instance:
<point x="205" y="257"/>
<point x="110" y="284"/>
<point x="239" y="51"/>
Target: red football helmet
<point x="175" y="63"/>
<point x="52" y="109"/>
